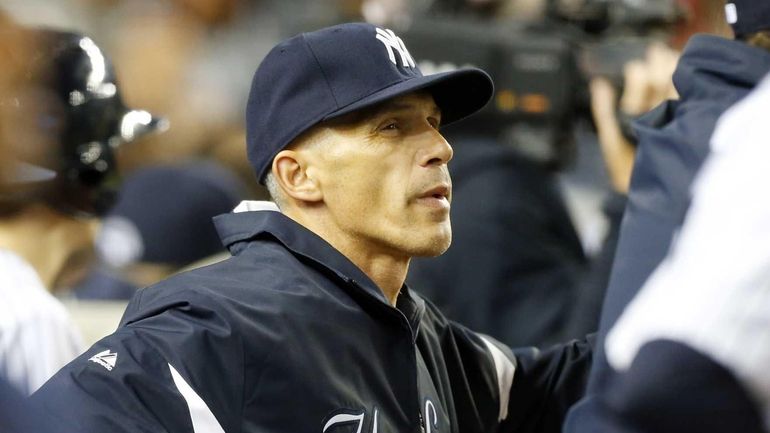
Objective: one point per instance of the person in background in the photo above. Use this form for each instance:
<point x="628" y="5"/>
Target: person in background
<point x="160" y="223"/>
<point x="712" y="74"/>
<point x="691" y="350"/>
<point x="647" y="82"/>
<point x="16" y="415"/>
<point x="64" y="115"/>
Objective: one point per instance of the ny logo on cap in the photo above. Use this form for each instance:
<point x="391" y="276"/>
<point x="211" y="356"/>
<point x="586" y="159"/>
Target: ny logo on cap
<point x="393" y="42"/>
<point x="731" y="13"/>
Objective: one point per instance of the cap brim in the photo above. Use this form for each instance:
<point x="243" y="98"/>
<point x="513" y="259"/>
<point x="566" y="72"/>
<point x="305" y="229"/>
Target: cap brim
<point x="23" y="173"/>
<point x="458" y="93"/>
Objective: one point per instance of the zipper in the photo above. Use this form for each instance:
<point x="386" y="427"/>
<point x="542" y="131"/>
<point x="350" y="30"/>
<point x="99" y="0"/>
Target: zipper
<point x="390" y="310"/>
<point x="404" y="322"/>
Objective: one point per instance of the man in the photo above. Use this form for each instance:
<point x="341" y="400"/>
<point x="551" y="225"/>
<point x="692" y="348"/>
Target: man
<point x="673" y="141"/>
<point x="691" y="350"/>
<point x="309" y="326"/>
<point x="16" y="415"/>
<point x="66" y="116"/>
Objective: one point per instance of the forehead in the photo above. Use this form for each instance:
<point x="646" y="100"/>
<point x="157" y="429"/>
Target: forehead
<point x="420" y="102"/>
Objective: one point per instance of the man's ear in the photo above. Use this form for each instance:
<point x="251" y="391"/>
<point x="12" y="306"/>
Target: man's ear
<point x="290" y="169"/>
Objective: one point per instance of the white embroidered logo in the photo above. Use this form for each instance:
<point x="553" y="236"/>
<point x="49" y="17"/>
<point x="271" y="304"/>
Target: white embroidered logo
<point x="345" y="418"/>
<point x="428" y="423"/>
<point x="431" y="417"/>
<point x="106" y="359"/>
<point x="393" y="42"/>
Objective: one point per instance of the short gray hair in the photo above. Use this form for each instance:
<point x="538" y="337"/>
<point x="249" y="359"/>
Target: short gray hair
<point x="276" y="194"/>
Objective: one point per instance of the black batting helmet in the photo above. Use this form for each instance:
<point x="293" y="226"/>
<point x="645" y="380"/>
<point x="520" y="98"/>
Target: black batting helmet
<point x="71" y="119"/>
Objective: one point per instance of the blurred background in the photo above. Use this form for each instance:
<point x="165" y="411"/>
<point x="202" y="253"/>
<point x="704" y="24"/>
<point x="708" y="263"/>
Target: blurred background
<point x="540" y="197"/>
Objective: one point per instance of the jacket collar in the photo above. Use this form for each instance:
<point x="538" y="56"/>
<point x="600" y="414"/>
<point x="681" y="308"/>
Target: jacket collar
<point x="252" y="220"/>
<point x="707" y="57"/>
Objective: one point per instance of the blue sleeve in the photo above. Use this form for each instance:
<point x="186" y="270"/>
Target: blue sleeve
<point x="669" y="388"/>
<point x="546" y="384"/>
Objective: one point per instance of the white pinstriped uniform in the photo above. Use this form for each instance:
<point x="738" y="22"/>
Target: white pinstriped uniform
<point x="37" y="336"/>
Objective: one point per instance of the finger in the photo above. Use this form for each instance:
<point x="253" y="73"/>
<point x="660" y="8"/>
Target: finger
<point x="637" y="88"/>
<point x="603" y="97"/>
<point x="662" y="62"/>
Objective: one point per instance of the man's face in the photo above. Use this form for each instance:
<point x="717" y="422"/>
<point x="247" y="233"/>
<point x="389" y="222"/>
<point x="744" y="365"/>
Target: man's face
<point x="384" y="178"/>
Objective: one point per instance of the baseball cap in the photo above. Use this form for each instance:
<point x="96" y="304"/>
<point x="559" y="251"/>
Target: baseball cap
<point x="748" y="16"/>
<point x="321" y="75"/>
<point x="163" y="214"/>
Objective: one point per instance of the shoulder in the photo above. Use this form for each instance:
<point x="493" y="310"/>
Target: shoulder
<point x="246" y="278"/>
<point x="249" y="295"/>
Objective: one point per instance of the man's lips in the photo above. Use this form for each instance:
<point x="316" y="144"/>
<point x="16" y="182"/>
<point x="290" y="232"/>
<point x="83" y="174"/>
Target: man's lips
<point x="438" y="196"/>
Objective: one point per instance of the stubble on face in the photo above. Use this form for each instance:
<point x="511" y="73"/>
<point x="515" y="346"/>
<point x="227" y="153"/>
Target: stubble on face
<point x="375" y="190"/>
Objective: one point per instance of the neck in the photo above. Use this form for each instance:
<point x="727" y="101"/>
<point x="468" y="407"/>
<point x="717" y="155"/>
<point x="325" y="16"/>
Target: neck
<point x="387" y="271"/>
<point x="386" y="268"/>
<point x="44" y="239"/>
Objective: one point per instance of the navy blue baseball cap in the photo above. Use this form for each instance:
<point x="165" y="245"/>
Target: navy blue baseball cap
<point x="748" y="16"/>
<point x="317" y="76"/>
<point x="163" y="214"/>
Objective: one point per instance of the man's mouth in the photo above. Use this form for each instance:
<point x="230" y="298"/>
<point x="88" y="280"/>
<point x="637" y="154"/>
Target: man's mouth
<point x="436" y="197"/>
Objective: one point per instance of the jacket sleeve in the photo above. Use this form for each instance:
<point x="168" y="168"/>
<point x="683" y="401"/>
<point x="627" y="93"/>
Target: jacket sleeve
<point x="545" y="385"/>
<point x="179" y="368"/>
<point x="670" y="388"/>
<point x="496" y="389"/>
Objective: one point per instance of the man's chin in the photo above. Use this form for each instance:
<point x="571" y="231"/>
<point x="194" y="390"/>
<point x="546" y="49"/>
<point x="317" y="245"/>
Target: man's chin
<point x="434" y="248"/>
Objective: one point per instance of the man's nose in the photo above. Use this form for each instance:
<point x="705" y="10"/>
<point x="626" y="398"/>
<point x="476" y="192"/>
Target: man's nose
<point x="437" y="150"/>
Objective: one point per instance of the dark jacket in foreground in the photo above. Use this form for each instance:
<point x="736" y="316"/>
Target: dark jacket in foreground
<point x="289" y="336"/>
<point x="669" y="388"/>
<point x="17" y="416"/>
<point x="713" y="74"/>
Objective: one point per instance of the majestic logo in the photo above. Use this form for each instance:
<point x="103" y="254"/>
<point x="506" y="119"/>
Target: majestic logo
<point x="106" y="359"/>
<point x="394" y="43"/>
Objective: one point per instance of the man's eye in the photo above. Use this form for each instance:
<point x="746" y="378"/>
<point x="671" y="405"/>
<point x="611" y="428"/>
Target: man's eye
<point x="390" y="126"/>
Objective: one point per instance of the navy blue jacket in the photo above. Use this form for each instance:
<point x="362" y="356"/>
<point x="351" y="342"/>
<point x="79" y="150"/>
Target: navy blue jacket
<point x="713" y="73"/>
<point x="669" y="388"/>
<point x="17" y="415"/>
<point x="288" y="335"/>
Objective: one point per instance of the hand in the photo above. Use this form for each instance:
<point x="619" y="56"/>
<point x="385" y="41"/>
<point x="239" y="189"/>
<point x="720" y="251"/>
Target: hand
<point x="647" y="83"/>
